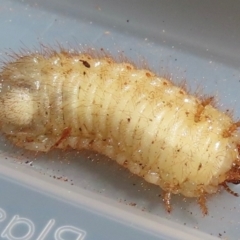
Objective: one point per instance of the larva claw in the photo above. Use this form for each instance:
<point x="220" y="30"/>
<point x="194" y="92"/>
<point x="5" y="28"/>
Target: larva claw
<point x="226" y="187"/>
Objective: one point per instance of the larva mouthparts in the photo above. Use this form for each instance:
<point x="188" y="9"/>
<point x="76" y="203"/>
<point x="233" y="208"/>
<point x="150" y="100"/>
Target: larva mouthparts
<point x="57" y="99"/>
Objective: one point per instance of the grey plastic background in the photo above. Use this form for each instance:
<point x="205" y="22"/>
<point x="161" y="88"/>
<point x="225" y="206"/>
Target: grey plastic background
<point x="193" y="40"/>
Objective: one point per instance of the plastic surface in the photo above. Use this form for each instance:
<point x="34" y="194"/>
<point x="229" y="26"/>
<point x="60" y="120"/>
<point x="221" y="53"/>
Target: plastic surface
<point x="83" y="195"/>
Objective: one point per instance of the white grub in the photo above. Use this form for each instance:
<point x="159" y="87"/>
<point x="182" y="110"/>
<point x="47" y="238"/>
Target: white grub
<point x="60" y="99"/>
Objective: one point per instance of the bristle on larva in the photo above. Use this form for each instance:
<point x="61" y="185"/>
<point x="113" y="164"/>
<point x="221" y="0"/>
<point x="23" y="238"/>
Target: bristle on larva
<point x="144" y="122"/>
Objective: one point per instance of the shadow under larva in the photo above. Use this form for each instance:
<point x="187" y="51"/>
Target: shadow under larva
<point x="155" y="129"/>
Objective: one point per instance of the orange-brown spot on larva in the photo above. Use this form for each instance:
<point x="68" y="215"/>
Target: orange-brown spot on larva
<point x="91" y="142"/>
<point x="29" y="139"/>
<point x="68" y="71"/>
<point x="129" y="67"/>
<point x="201" y="106"/>
<point x="169" y="105"/>
<point x="165" y="83"/>
<point x="66" y="54"/>
<point x="89" y="57"/>
<point x="199" y="166"/>
<point x="183" y="86"/>
<point x="148" y="74"/>
<point x="228" y="132"/>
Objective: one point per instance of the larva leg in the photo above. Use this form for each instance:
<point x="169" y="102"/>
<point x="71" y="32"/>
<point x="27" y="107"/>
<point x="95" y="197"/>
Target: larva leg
<point x="201" y="107"/>
<point x="226" y="187"/>
<point x="167" y="201"/>
<point x="233" y="176"/>
<point x="202" y="203"/>
<point x="66" y="133"/>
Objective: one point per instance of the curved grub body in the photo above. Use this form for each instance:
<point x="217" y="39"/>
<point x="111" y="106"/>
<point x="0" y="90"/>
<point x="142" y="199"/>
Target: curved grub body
<point x="144" y="122"/>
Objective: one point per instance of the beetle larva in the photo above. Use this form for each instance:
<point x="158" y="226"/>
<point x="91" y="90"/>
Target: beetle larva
<point x="147" y="124"/>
